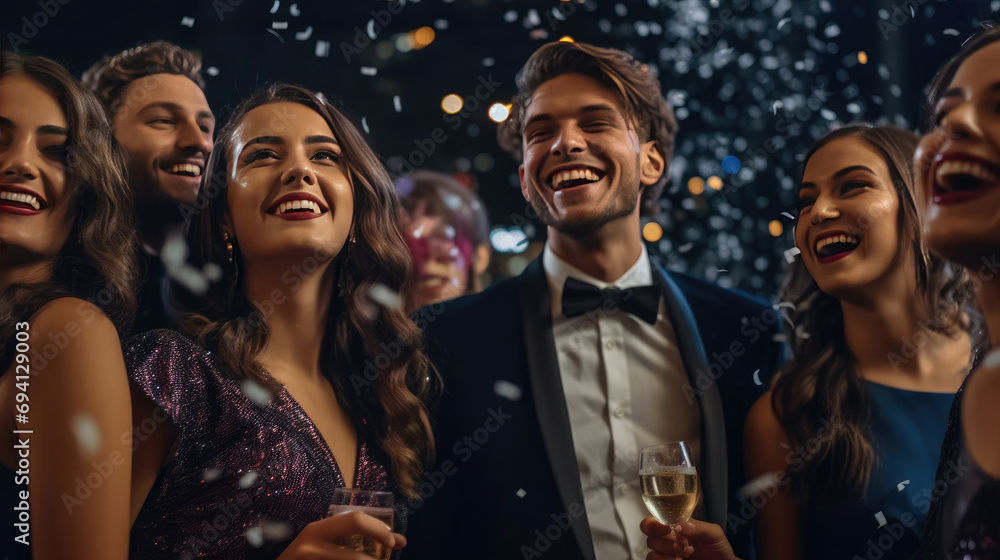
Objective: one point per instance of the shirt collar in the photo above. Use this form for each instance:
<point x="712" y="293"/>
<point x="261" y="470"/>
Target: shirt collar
<point x="557" y="270"/>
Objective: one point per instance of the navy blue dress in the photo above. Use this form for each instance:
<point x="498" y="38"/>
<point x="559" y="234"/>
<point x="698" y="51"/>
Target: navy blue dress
<point x="885" y="522"/>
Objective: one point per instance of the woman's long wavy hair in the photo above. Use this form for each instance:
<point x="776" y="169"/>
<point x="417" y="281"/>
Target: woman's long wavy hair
<point x="820" y="384"/>
<point x="225" y="321"/>
<point x="98" y="261"/>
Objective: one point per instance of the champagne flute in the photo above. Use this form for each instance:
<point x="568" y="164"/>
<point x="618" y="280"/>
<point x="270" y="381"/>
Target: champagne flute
<point x="669" y="482"/>
<point x="375" y="504"/>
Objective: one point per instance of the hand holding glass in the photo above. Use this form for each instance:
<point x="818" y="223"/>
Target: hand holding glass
<point x="669" y="482"/>
<point x="375" y="504"/>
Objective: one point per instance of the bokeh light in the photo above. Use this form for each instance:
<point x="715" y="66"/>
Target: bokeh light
<point x="775" y="228"/>
<point x="696" y="185"/>
<point x="499" y="112"/>
<point x="652" y="232"/>
<point x="451" y="104"/>
<point x="715" y="183"/>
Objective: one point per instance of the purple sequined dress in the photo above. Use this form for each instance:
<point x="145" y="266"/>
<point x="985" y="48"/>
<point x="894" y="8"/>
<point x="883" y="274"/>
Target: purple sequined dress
<point x="244" y="478"/>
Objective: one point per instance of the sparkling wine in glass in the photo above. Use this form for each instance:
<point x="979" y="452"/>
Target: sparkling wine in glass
<point x="669" y="482"/>
<point x="375" y="504"/>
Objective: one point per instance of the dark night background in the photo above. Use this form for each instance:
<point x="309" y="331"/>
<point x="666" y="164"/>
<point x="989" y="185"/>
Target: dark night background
<point x="755" y="79"/>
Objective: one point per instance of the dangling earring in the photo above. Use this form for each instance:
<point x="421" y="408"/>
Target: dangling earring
<point x="231" y="258"/>
<point x="351" y="241"/>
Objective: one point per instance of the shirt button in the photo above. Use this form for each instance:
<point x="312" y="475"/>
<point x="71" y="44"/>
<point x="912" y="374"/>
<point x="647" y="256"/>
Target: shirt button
<point x="610" y="345"/>
<point x="623" y="488"/>
<point x="620" y="412"/>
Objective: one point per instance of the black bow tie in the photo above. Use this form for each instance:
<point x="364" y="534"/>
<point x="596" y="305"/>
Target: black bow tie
<point x="580" y="297"/>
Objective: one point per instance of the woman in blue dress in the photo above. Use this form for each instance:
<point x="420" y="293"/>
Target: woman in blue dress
<point x="845" y="444"/>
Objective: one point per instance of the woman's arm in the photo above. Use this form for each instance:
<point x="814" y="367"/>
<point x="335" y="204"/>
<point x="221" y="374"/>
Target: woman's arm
<point x="80" y="451"/>
<point x="766" y="460"/>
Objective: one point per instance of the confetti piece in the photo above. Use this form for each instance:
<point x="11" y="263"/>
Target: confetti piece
<point x="507" y="390"/>
<point x="255" y="537"/>
<point x="257" y="393"/>
<point x="275" y="33"/>
<point x="902" y="485"/>
<point x="247" y="480"/>
<point x="294" y="10"/>
<point x="304" y="35"/>
<point x="368" y="71"/>
<point x="385" y="296"/>
<point x="521" y="493"/>
<point x="212" y="71"/>
<point x="721" y="270"/>
<point x="783" y="22"/>
<point x="88" y="435"/>
<point x="510" y="16"/>
<point x="756" y="378"/>
<point x="187" y="21"/>
<point x="211" y="475"/>
<point x="322" y="49"/>
<point x="950" y="31"/>
<point x="276" y="532"/>
<point x="801" y="332"/>
<point x="274" y="8"/>
<point x="788" y="215"/>
<point x="880" y="517"/>
<point x="364" y="125"/>
<point x="397" y="103"/>
<point x="370" y="29"/>
<point x="758" y="485"/>
<point x="279" y="25"/>
<point x="441" y="24"/>
<point x="992" y="359"/>
<point x="489" y="61"/>
<point x="686" y="247"/>
<point x="790" y="254"/>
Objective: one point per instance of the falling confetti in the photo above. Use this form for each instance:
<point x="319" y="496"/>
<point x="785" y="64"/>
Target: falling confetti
<point x="279" y="25"/>
<point x="788" y="215"/>
<point x="364" y="125"/>
<point x="950" y="31"/>
<point x="756" y="378"/>
<point x="368" y="71"/>
<point x="322" y="49"/>
<point x="902" y="485"/>
<point x="257" y="393"/>
<point x="397" y="103"/>
<point x="385" y="296"/>
<point x="783" y="22"/>
<point x="790" y="254"/>
<point x="247" y="480"/>
<point x="294" y="10"/>
<point x="880" y="517"/>
<point x="275" y="33"/>
<point x="255" y="537"/>
<point x="211" y="475"/>
<point x="88" y="435"/>
<point x="521" y="493"/>
<point x="276" y="532"/>
<point x="274" y="8"/>
<point x="212" y="71"/>
<point x="992" y="359"/>
<point x="304" y="34"/>
<point x="507" y="390"/>
<point x="187" y="21"/>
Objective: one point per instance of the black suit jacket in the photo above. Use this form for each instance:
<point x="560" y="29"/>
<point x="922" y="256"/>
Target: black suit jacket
<point x="506" y="483"/>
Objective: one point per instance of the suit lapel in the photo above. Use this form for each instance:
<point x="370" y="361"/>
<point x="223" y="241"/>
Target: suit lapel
<point x="550" y="402"/>
<point x="713" y="474"/>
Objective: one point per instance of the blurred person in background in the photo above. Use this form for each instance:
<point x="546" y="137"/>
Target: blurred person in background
<point x="447" y="231"/>
<point x="153" y="95"/>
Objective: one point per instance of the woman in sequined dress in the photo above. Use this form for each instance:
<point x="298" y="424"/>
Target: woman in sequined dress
<point x="302" y="374"/>
<point x="958" y="177"/>
<point x="67" y="277"/>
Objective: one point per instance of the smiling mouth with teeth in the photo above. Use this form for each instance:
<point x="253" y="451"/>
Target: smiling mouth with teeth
<point x="573" y="178"/>
<point x="184" y="169"/>
<point x="298" y="206"/>
<point x="21" y="200"/>
<point x="954" y="176"/>
<point x="836" y="245"/>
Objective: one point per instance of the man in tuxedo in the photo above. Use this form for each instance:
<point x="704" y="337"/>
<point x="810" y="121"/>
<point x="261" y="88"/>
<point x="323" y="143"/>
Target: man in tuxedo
<point x="154" y="100"/>
<point x="555" y="379"/>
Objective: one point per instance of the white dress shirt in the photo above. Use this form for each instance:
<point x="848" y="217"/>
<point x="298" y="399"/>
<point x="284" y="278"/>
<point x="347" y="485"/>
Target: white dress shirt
<point x="622" y="380"/>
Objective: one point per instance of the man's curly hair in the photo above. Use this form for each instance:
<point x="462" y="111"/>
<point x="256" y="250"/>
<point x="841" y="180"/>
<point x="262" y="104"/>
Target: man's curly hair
<point x="636" y="86"/>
